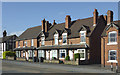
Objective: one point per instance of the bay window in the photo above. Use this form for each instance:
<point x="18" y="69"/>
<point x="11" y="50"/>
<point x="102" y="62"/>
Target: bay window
<point x="54" y="53"/>
<point x="30" y="53"/>
<point x="82" y="54"/>
<point x="62" y="53"/>
<point x="40" y="53"/>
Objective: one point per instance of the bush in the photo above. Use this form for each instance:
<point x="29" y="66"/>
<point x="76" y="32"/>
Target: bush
<point x="53" y="58"/>
<point x="8" y="53"/>
<point x="67" y="58"/>
<point x="76" y="56"/>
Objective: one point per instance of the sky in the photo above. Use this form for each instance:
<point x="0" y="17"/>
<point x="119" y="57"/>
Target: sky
<point x="18" y="16"/>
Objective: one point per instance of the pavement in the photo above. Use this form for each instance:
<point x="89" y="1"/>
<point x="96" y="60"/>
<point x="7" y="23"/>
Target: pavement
<point x="30" y="67"/>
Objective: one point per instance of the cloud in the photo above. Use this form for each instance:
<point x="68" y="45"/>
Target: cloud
<point x="18" y="33"/>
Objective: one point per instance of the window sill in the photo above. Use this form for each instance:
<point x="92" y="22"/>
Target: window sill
<point x="112" y="43"/>
<point x="64" y="44"/>
<point x="112" y="61"/>
<point x="82" y="42"/>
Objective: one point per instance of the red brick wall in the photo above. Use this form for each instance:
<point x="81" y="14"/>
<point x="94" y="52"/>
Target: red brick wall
<point x="109" y="47"/>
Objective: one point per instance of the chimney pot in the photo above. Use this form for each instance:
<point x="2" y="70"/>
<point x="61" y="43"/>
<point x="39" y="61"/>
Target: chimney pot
<point x="4" y="33"/>
<point x="54" y="22"/>
<point x="95" y="16"/>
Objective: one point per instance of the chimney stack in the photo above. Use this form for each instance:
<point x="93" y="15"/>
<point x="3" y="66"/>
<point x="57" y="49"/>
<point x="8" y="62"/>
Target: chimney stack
<point x="109" y="16"/>
<point x="54" y="22"/>
<point x="105" y="17"/>
<point x="95" y="16"/>
<point x="43" y="25"/>
<point x="47" y="26"/>
<point x="4" y="33"/>
<point x="67" y="21"/>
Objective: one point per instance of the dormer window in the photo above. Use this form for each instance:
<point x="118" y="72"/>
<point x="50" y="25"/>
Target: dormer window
<point x="64" y="38"/>
<point x="32" y="42"/>
<point x="56" y="39"/>
<point x="42" y="40"/>
<point x="18" y="43"/>
<point x="82" y="36"/>
<point x="112" y="37"/>
<point x="25" y="43"/>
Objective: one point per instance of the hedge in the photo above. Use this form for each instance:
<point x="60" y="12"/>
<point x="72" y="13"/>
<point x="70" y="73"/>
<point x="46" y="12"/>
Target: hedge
<point x="8" y="53"/>
<point x="76" y="55"/>
<point x="67" y="58"/>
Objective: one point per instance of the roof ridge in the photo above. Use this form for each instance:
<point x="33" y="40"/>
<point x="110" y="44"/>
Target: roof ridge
<point x="34" y="27"/>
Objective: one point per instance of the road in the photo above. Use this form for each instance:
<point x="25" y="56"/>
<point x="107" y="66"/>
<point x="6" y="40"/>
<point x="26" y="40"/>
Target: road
<point x="30" y="67"/>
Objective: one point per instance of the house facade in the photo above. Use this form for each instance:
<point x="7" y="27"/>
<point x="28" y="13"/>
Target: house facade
<point x="7" y="43"/>
<point x="110" y="43"/>
<point x="56" y="41"/>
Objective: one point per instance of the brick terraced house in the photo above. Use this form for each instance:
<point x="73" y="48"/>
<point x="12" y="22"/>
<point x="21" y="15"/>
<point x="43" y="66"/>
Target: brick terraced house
<point x="110" y="42"/>
<point x="59" y="40"/>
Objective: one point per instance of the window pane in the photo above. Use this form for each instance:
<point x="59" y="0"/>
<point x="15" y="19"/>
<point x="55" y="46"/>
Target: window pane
<point x="112" y="37"/>
<point x="81" y="55"/>
<point x="112" y="55"/>
<point x="62" y="55"/>
<point x="64" y="38"/>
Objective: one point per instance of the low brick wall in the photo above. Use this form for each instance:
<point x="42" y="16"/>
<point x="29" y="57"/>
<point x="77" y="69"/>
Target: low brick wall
<point x="30" y="60"/>
<point x="10" y="58"/>
<point x="21" y="59"/>
<point x="71" y="62"/>
<point x="51" y="61"/>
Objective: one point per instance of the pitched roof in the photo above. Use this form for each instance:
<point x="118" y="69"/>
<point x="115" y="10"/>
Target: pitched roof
<point x="73" y="31"/>
<point x="116" y="23"/>
<point x="6" y="38"/>
<point x="30" y="33"/>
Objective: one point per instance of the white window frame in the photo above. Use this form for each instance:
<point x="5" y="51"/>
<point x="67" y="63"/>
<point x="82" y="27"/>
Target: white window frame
<point x="32" y="42"/>
<point x="30" y="53"/>
<point x="84" y="32"/>
<point x="54" y="53"/>
<point x="42" y="41"/>
<point x="61" y="51"/>
<point x="114" y="61"/>
<point x="26" y="43"/>
<point x="40" y="53"/>
<point x="23" y="43"/>
<point x="80" y="51"/>
<point x="109" y="42"/>
<point x="18" y="44"/>
<point x="56" y="39"/>
<point x="23" y="53"/>
<point x="64" y="34"/>
<point x="17" y="54"/>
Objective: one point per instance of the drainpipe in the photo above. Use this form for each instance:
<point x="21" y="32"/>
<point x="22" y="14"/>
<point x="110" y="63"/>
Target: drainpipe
<point x="104" y="50"/>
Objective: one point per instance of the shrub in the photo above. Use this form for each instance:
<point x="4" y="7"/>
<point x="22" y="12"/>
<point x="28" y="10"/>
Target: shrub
<point x="67" y="58"/>
<point x="76" y="56"/>
<point x="53" y="58"/>
<point x="8" y="53"/>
